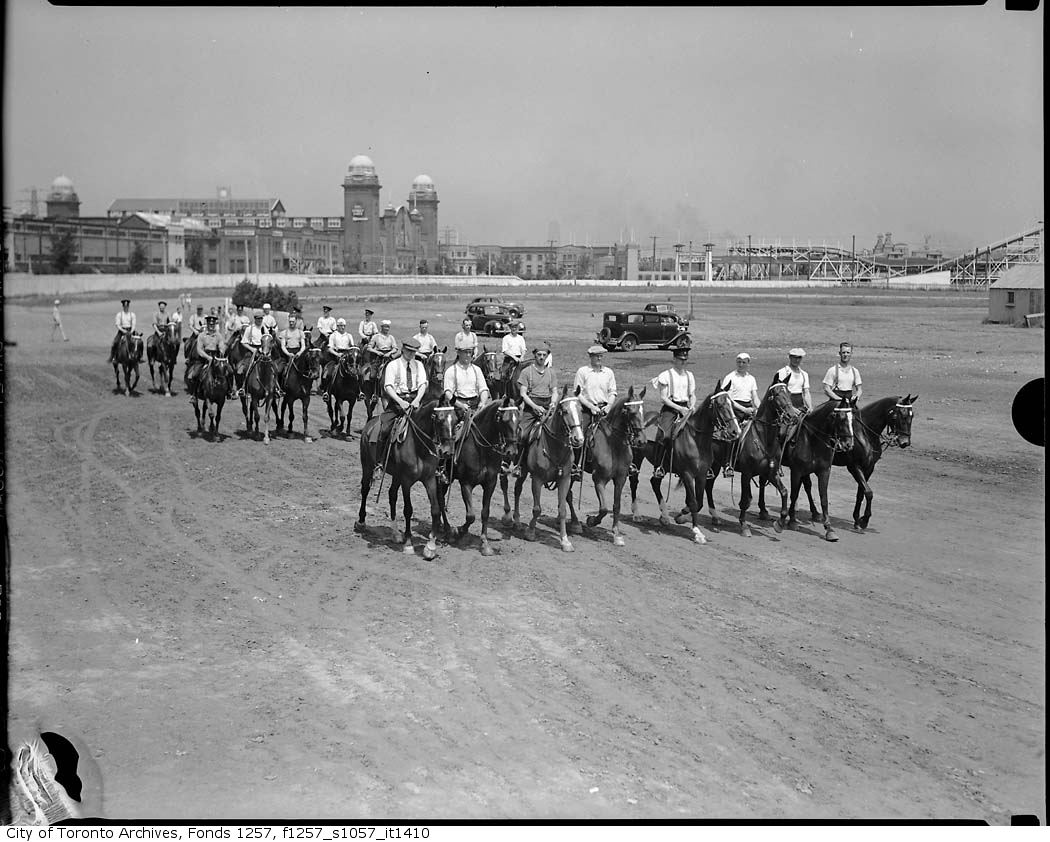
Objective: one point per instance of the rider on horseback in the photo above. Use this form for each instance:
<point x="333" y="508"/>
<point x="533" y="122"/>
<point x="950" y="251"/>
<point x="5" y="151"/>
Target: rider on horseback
<point x="514" y="350"/>
<point x="597" y="385"/>
<point x="366" y="328"/>
<point x="326" y="324"/>
<point x="465" y="386"/>
<point x="843" y="378"/>
<point x="537" y="385"/>
<point x="209" y="343"/>
<point x="382" y="345"/>
<point x="125" y="327"/>
<point x="293" y="343"/>
<point x="468" y="336"/>
<point x="404" y="385"/>
<point x="198" y="321"/>
<point x="252" y="339"/>
<point x="797" y="381"/>
<point x="426" y="341"/>
<point x="161" y="319"/>
<point x="338" y="344"/>
<point x="269" y="322"/>
<point x="677" y="389"/>
<point x="742" y="388"/>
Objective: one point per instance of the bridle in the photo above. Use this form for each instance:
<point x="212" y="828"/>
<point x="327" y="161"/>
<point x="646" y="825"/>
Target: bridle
<point x="567" y="406"/>
<point x="723" y="423"/>
<point x="429" y="442"/>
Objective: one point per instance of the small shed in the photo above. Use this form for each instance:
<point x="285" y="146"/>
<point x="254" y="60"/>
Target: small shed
<point x="1017" y="293"/>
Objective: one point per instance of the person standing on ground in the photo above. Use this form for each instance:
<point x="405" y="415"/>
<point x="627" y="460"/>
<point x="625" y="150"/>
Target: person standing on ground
<point x="56" y="322"/>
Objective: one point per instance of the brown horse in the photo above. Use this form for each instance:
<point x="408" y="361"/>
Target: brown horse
<point x="548" y="461"/>
<point x="129" y="351"/>
<point x="344" y="387"/>
<point x="691" y="456"/>
<point x="409" y="459"/>
<point x="435" y="367"/>
<point x="297" y="383"/>
<point x="610" y="455"/>
<point x="490" y="441"/>
<point x="259" y="381"/>
<point x="163" y="349"/>
<point x="489" y="365"/>
<point x="210" y="389"/>
<point x="754" y="454"/>
<point x="825" y="431"/>
<point x="370" y="370"/>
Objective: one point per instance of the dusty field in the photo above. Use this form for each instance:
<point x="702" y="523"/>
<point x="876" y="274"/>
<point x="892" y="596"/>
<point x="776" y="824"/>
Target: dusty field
<point x="202" y="615"/>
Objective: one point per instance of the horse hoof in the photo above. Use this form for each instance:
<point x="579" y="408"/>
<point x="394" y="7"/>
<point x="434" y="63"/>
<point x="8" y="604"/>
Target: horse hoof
<point x="830" y="535"/>
<point x="530" y="534"/>
<point x="699" y="537"/>
<point x="359" y="526"/>
<point x="745" y="530"/>
<point x="666" y="521"/>
<point x="591" y="521"/>
<point x="429" y="553"/>
<point x="858" y="528"/>
<point x="507" y="521"/>
<point x="575" y="528"/>
<point x="763" y="515"/>
<point x="566" y="546"/>
<point x="683" y="518"/>
<point x="487" y="551"/>
<point x="792" y="523"/>
<point x="778" y="526"/>
<point x="618" y="541"/>
<point x="408" y="549"/>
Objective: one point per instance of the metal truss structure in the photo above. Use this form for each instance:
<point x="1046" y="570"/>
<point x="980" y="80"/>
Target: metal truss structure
<point x="983" y="266"/>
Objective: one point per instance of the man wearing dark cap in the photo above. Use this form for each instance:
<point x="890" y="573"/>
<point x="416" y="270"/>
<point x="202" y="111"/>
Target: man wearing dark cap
<point x="209" y="344"/>
<point x="677" y="389"/>
<point x="161" y="319"/>
<point x="325" y="324"/>
<point x="125" y="326"/>
<point x="198" y="320"/>
<point x="404" y="385"/>
<point x="366" y="329"/>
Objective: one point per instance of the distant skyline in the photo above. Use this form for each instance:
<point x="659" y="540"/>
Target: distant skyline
<point x="595" y="123"/>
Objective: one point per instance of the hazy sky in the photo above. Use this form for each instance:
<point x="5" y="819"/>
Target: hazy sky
<point x="689" y="123"/>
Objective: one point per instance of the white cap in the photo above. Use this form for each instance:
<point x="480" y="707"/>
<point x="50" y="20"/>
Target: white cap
<point x="744" y="355"/>
<point x="57" y="301"/>
<point x="266" y="306"/>
<point x="796" y="352"/>
<point x="385" y="322"/>
<point x="340" y="322"/>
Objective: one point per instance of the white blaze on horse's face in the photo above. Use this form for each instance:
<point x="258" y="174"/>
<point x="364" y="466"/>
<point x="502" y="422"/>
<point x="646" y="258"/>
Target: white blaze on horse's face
<point x="636" y="421"/>
<point x="727" y="416"/>
<point x="444" y="428"/>
<point x="844" y="428"/>
<point x="570" y="408"/>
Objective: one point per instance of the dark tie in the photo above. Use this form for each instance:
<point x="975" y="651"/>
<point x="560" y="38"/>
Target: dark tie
<point x="408" y="368"/>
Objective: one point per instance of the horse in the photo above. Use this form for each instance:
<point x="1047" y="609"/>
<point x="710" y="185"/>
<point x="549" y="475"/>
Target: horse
<point x="299" y="376"/>
<point x="489" y="365"/>
<point x="211" y="388"/>
<point x="548" y="461"/>
<point x="610" y="456"/>
<point x="691" y="456"/>
<point x="825" y="431"/>
<point x="259" y="381"/>
<point x="236" y="352"/>
<point x="435" y="368"/>
<point x="878" y="426"/>
<point x="755" y="454"/>
<point x="345" y="385"/>
<point x="129" y="350"/>
<point x="373" y="364"/>
<point x="414" y="458"/>
<point x="490" y="441"/>
<point x="163" y="348"/>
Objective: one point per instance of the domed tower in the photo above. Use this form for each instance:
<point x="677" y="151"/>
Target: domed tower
<point x="424" y="199"/>
<point x="361" y="221"/>
<point x="62" y="200"/>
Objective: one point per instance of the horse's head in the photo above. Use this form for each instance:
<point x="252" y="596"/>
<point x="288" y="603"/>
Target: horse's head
<point x="634" y="413"/>
<point x="776" y="405"/>
<point x="508" y="415"/>
<point x="568" y="413"/>
<point x="841" y="420"/>
<point x="134" y="340"/>
<point x="723" y="418"/>
<point x="172" y="331"/>
<point x="436" y="365"/>
<point x="309" y="364"/>
<point x="219" y="367"/>
<point x="489" y="365"/>
<point x="267" y="344"/>
<point x="900" y="418"/>
<point x="349" y="361"/>
<point x="444" y="418"/>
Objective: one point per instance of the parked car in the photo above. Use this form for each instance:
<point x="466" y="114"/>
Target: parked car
<point x="630" y="329"/>
<point x="490" y="319"/>
<point x="664" y="307"/>
<point x="516" y="309"/>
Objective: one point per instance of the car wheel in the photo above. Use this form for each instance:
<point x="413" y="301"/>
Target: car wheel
<point x="629" y="343"/>
<point x="684" y="341"/>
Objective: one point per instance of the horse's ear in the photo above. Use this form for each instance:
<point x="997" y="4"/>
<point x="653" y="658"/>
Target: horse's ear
<point x="577" y="392"/>
<point x="913" y="400"/>
<point x="641" y="394"/>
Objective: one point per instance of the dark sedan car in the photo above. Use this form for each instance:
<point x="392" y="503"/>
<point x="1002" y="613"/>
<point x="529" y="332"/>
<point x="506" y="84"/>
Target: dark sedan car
<point x="490" y="319"/>
<point x="630" y="329"/>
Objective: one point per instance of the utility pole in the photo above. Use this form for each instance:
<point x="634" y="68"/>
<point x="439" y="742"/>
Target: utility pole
<point x="553" y="263"/>
<point x="749" y="257"/>
<point x="653" y="237"/>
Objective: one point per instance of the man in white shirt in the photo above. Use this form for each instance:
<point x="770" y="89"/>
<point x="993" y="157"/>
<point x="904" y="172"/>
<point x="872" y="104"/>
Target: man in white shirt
<point x="597" y="391"/>
<point x="56" y="322"/>
<point x="514" y="351"/>
<point x="325" y="325"/>
<point x="843" y="378"/>
<point x="252" y="339"/>
<point x="125" y="322"/>
<point x="797" y="380"/>
<point x="366" y="328"/>
<point x="404" y="385"/>
<point x="426" y="341"/>
<point x="269" y="320"/>
<point x="742" y="387"/>
<point x="467" y="336"/>
<point x="465" y="386"/>
<point x="197" y="320"/>
<point x="677" y="389"/>
<point x="338" y="344"/>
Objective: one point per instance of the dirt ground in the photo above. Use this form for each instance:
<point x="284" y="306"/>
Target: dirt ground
<point x="203" y="617"/>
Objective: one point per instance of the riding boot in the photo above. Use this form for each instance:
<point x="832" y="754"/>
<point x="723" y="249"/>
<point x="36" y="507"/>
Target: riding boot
<point x="665" y="457"/>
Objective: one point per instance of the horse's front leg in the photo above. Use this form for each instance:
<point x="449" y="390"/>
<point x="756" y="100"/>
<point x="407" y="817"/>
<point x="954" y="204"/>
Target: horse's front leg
<point x="618" y="482"/>
<point x="116" y="375"/>
<point x="665" y="518"/>
<point x="200" y="419"/>
<point x="564" y="489"/>
<point x="778" y="524"/>
<point x="504" y="486"/>
<point x="537" y="489"/>
<point x="574" y="525"/>
<point x="466" y="491"/>
<point x="306" y="416"/>
<point x="436" y="508"/>
<point x="267" y="408"/>
<point x="694" y="490"/>
<point x="600" y="485"/>
<point x="745" y="503"/>
<point x="822" y="484"/>
<point x="807" y="483"/>
<point x="865" y="493"/>
<point x="487" y="490"/>
<point x="796" y="485"/>
<point x="709" y="492"/>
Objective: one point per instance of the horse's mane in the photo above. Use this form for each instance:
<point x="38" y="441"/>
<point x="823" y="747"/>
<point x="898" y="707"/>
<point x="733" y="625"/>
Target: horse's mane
<point x="703" y="412"/>
<point x="879" y="409"/>
<point x="820" y="414"/>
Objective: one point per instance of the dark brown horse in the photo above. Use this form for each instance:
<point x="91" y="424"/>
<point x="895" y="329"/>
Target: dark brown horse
<point x="129" y="351"/>
<point x="435" y="367"/>
<point x="259" y="381"/>
<point x="825" y="431"/>
<point x="410" y="458"/>
<point x="490" y="441"/>
<point x="370" y="368"/>
<point x="755" y="453"/>
<point x="489" y="364"/>
<point x="548" y="461"/>
<point x="344" y="387"/>
<point x="210" y="390"/>
<point x="691" y="457"/>
<point x="610" y="455"/>
<point x="880" y="425"/>
<point x="297" y="383"/>
<point x="163" y="348"/>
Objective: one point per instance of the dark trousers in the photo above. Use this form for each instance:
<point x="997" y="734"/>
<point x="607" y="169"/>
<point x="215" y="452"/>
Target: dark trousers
<point x="740" y="416"/>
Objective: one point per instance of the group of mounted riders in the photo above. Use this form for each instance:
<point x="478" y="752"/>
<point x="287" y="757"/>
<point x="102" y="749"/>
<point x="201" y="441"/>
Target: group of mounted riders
<point x="733" y="429"/>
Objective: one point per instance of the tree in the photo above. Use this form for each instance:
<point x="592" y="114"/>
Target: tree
<point x="63" y="251"/>
<point x="195" y="256"/>
<point x="248" y="294"/>
<point x="138" y="260"/>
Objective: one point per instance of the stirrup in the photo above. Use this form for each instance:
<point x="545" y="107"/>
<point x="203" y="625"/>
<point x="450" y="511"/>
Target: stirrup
<point x="727" y="472"/>
<point x="632" y="470"/>
<point x="659" y="472"/>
